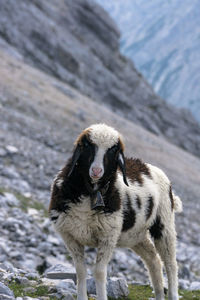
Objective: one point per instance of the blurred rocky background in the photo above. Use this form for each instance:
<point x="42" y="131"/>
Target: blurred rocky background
<point x="60" y="71"/>
<point x="163" y="39"/>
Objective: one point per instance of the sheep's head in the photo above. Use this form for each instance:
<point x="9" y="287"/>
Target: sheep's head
<point x="98" y="153"/>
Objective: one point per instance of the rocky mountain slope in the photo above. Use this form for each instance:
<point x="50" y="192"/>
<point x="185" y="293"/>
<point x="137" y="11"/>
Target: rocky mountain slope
<point x="162" y="38"/>
<point x="77" y="42"/>
<point x="40" y="118"/>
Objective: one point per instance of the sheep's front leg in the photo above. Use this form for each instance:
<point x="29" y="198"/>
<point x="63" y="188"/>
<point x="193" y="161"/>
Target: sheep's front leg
<point x="104" y="253"/>
<point x="77" y="252"/>
<point x="81" y="280"/>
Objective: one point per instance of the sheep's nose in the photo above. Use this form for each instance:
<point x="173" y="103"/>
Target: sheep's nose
<point x="96" y="171"/>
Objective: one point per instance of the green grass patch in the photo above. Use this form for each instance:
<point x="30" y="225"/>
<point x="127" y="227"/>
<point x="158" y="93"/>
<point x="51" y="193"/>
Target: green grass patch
<point x="144" y="292"/>
<point x="19" y="290"/>
<point x="33" y="278"/>
<point x="190" y="295"/>
<point x="136" y="292"/>
<point x="140" y="292"/>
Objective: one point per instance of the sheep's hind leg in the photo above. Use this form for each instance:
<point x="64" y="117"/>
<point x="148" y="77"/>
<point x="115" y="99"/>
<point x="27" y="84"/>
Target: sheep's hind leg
<point x="166" y="246"/>
<point x="147" y="252"/>
<point x="77" y="252"/>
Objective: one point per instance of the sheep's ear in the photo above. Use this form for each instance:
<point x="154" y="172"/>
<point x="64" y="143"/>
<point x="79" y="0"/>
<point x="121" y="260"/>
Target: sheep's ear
<point x="75" y="157"/>
<point x="122" y="165"/>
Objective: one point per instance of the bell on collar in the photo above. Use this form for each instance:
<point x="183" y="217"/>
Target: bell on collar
<point x="97" y="201"/>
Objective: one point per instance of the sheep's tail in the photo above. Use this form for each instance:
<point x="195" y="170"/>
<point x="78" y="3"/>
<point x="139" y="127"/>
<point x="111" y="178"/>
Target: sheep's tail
<point x="178" y="207"/>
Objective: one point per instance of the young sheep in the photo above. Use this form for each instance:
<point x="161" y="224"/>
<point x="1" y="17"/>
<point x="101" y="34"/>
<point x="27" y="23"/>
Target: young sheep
<point x="102" y="199"/>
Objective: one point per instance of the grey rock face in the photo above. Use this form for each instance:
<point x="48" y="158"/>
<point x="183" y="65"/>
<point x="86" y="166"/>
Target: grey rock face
<point x="195" y="286"/>
<point x="7" y="266"/>
<point x="66" y="286"/>
<point x="4" y="290"/>
<point x="184" y="284"/>
<point x="6" y="297"/>
<point x="116" y="287"/>
<point x="77" y="42"/>
<point x="61" y="272"/>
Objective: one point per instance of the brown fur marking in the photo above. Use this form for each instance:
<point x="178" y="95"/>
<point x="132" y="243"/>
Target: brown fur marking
<point x="135" y="168"/>
<point x="122" y="147"/>
<point x="84" y="133"/>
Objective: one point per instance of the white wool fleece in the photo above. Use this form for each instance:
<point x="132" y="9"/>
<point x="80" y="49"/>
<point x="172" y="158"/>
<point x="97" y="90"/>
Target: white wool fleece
<point x="103" y="135"/>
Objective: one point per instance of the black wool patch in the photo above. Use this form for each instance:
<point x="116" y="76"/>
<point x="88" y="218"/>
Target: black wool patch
<point x="138" y="201"/>
<point x="171" y="197"/>
<point x="156" y="229"/>
<point x="149" y="207"/>
<point x="129" y="216"/>
<point x="54" y="219"/>
<point x="112" y="199"/>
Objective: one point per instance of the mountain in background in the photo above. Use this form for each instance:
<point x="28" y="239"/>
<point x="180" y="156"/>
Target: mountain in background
<point x="78" y="43"/>
<point x="163" y="40"/>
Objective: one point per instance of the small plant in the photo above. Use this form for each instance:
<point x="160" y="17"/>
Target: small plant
<point x="19" y="290"/>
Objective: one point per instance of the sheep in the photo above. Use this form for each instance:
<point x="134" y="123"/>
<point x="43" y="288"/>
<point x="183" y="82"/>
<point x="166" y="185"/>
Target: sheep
<point x="104" y="200"/>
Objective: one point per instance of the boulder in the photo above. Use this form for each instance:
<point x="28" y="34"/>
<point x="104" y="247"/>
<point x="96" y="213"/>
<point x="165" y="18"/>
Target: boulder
<point x="66" y="286"/>
<point x="195" y="286"/>
<point x="4" y="290"/>
<point x="116" y="287"/>
<point x="184" y="284"/>
<point x="61" y="272"/>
